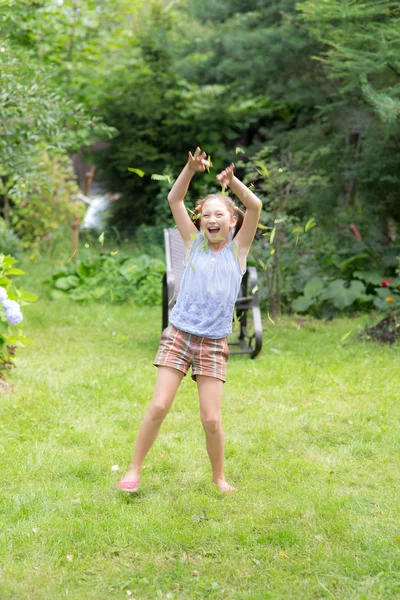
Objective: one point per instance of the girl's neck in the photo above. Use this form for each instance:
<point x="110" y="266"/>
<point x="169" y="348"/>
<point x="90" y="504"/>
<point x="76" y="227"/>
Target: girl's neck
<point x="218" y="246"/>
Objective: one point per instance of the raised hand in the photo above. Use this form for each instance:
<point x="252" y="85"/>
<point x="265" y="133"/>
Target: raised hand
<point x="226" y="176"/>
<point x="198" y="161"/>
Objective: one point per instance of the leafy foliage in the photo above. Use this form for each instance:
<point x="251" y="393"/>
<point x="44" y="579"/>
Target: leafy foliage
<point x="38" y="118"/>
<point x="9" y="241"/>
<point x="49" y="205"/>
<point x="110" y="279"/>
<point x="166" y="76"/>
<point x="11" y="336"/>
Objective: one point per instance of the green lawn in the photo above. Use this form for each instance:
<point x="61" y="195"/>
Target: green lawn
<point x="312" y="445"/>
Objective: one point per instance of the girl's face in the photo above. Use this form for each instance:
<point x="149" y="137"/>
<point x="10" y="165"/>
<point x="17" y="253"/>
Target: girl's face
<point x="216" y="220"/>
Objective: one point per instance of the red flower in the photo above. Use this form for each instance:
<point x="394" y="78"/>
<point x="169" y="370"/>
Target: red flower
<point x="386" y="282"/>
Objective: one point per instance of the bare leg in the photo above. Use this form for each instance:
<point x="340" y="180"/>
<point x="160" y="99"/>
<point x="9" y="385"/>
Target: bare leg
<point x="210" y="396"/>
<point x="167" y="383"/>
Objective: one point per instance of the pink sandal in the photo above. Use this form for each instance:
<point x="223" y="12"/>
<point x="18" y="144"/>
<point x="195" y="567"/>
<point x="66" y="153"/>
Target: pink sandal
<point x="129" y="484"/>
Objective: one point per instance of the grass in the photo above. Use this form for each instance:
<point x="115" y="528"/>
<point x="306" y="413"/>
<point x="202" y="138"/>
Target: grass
<point x="312" y="442"/>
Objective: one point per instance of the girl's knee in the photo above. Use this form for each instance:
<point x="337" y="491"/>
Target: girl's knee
<point x="158" y="411"/>
<point x="212" y="423"/>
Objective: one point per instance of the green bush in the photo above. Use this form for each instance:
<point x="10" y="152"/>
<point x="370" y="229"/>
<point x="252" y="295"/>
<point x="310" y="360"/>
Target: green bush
<point x="9" y="241"/>
<point x="42" y="206"/>
<point x="324" y="297"/>
<point x="11" y="335"/>
<point x="107" y="278"/>
<point x="329" y="272"/>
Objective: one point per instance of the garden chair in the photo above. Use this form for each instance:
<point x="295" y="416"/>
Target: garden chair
<point x="249" y="338"/>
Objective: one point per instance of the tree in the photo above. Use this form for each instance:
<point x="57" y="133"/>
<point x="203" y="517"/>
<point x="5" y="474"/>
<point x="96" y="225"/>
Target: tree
<point x="360" y="57"/>
<point x="35" y="118"/>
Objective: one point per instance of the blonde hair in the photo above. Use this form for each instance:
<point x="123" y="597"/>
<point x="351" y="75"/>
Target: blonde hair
<point x="230" y="205"/>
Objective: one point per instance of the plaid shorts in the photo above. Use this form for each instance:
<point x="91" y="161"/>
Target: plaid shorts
<point x="179" y="350"/>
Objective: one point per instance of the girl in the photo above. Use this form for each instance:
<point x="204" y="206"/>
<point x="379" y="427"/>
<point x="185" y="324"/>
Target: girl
<point x="202" y="316"/>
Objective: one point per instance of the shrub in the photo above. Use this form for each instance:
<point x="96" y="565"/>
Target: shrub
<point x="9" y="241"/>
<point x="108" y="278"/>
<point x="348" y="279"/>
<point x="43" y="205"/>
<point x="11" y="300"/>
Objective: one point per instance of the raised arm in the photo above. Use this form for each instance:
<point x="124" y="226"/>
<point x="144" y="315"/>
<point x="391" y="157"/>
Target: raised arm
<point x="253" y="205"/>
<point x="196" y="162"/>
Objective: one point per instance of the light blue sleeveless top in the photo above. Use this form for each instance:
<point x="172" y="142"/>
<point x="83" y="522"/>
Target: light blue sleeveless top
<point x="208" y="292"/>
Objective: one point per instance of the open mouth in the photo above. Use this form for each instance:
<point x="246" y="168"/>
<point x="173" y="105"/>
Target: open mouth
<point x="213" y="230"/>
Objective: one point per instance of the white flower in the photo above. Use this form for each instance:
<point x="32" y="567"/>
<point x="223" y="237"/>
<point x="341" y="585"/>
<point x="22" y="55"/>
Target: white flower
<point x="3" y="294"/>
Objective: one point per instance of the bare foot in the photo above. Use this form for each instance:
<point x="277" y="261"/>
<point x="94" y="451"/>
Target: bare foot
<point x="223" y="485"/>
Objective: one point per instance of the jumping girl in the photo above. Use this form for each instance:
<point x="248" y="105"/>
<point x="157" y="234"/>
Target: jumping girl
<point x="217" y="243"/>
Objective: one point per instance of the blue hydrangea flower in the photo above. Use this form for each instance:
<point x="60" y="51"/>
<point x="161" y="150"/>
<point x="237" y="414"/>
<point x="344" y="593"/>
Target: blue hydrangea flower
<point x="13" y="312"/>
<point x="3" y="294"/>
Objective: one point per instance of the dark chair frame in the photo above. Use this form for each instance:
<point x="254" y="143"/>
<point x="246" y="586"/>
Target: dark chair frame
<point x="249" y="340"/>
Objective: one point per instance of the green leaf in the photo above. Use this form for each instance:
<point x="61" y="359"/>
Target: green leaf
<point x="302" y="303"/>
<point x="7" y="261"/>
<point x="83" y="270"/>
<point x="272" y="236"/>
<point x="239" y="150"/>
<point x="261" y="168"/>
<point x="342" y="296"/>
<point x="27" y="296"/>
<point x="101" y="238"/>
<point x="14" y="272"/>
<point x="314" y="287"/>
<point x="373" y="277"/>
<point x="262" y="264"/>
<point x="73" y="280"/>
<point x="136" y="171"/>
<point x="270" y="319"/>
<point x="63" y="284"/>
<point x="236" y="324"/>
<point x="346" y="335"/>
<point x="161" y="177"/>
<point x="310" y="223"/>
<point x="343" y="265"/>
<point x="57" y="294"/>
